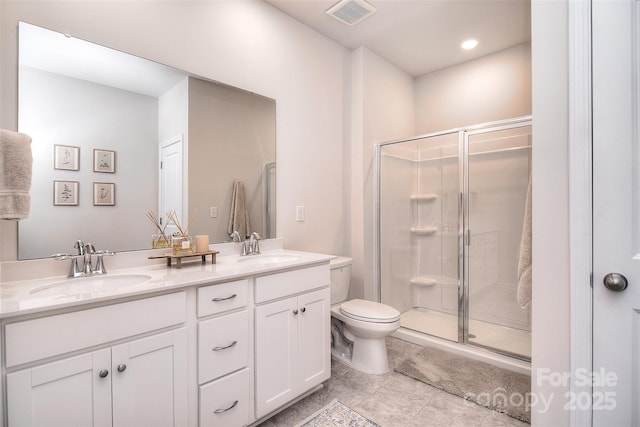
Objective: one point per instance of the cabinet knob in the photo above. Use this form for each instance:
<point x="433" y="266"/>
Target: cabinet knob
<point x="295" y="312"/>
<point x="103" y="373"/>
<point x="122" y="367"/>
<point x="303" y="309"/>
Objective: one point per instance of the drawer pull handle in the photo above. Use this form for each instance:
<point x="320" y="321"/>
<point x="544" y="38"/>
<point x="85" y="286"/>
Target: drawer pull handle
<point x="220" y="411"/>
<point x="122" y="367"/>
<point x="103" y="373"/>
<point x="224" y="299"/>
<point x="303" y="309"/>
<point x="224" y="348"/>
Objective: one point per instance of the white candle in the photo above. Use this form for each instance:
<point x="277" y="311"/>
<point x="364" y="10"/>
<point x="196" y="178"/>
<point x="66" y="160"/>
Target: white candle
<point x="202" y="243"/>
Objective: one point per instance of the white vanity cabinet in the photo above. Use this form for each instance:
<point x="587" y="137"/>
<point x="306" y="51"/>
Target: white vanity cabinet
<point x="224" y="345"/>
<point x="219" y="349"/>
<point x="133" y="382"/>
<point x="292" y="327"/>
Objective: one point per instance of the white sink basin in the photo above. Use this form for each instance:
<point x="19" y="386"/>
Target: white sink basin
<point x="91" y="284"/>
<point x="268" y="259"/>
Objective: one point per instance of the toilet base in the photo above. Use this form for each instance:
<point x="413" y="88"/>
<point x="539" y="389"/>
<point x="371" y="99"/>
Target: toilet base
<point x="368" y="356"/>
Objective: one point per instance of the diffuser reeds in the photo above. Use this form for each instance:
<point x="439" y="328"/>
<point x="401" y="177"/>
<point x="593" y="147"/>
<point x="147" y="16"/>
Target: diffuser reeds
<point x="160" y="240"/>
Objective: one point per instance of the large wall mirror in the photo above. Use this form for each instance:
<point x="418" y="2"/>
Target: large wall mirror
<point x="116" y="136"/>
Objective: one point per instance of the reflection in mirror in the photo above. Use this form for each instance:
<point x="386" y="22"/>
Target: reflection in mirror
<point x="85" y="101"/>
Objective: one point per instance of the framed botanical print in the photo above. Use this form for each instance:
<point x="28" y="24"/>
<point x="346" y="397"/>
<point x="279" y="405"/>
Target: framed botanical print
<point x="104" y="194"/>
<point x="65" y="193"/>
<point x="66" y="157"/>
<point x="104" y="161"/>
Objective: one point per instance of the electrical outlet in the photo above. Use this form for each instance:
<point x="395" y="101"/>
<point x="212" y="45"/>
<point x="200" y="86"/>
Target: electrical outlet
<point x="214" y="212"/>
<point x="300" y="213"/>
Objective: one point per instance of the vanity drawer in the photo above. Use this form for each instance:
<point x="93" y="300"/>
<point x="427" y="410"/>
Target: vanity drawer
<point x="50" y="336"/>
<point x="292" y="282"/>
<point x="222" y="297"/>
<point x="223" y="345"/>
<point x="225" y="402"/>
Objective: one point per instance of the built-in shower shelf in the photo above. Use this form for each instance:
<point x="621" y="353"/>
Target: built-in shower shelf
<point x="423" y="281"/>
<point x="423" y="197"/>
<point x="423" y="231"/>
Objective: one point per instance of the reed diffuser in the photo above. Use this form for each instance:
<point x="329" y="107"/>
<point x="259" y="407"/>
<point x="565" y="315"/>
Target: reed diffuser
<point x="160" y="239"/>
<point x="181" y="243"/>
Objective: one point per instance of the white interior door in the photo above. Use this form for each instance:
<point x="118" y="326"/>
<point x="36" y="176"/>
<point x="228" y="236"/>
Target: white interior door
<point x="170" y="197"/>
<point x="616" y="214"/>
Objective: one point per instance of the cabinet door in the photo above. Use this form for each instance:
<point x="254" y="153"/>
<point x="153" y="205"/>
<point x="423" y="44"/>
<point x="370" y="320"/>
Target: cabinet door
<point x="276" y="354"/>
<point x="70" y="392"/>
<point x="149" y="381"/>
<point x="314" y="339"/>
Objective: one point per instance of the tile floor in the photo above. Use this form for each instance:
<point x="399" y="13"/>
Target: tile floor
<point x="393" y="400"/>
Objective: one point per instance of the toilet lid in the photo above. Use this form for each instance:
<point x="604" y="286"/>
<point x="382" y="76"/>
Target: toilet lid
<point x="369" y="311"/>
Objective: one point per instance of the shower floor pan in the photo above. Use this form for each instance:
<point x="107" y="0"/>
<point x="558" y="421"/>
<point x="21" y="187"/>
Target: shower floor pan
<point x="487" y="334"/>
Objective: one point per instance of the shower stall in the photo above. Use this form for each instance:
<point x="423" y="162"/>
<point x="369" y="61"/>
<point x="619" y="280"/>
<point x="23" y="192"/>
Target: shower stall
<point x="450" y="219"/>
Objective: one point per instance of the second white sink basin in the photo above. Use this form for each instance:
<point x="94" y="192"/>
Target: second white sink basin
<point x="268" y="259"/>
<point x="90" y="284"/>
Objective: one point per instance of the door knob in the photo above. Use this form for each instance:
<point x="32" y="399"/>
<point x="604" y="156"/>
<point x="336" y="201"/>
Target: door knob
<point x="615" y="282"/>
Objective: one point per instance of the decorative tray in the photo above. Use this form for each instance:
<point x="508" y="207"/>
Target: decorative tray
<point x="179" y="257"/>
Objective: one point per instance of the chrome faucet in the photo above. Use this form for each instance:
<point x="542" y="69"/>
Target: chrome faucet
<point x="235" y="236"/>
<point x="85" y="253"/>
<point x="251" y="246"/>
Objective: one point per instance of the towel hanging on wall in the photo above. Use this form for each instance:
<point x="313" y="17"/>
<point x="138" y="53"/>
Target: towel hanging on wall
<point x="16" y="163"/>
<point x="239" y="213"/>
<point x="524" y="259"/>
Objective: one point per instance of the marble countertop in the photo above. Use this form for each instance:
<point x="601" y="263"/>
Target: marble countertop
<point x="39" y="295"/>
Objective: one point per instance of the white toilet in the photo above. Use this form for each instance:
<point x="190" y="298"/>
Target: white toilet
<point x="358" y="327"/>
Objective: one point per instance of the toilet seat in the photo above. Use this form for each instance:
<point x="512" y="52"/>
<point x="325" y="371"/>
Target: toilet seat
<point x="369" y="311"/>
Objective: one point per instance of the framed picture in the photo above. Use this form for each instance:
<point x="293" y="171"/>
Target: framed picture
<point x="65" y="193"/>
<point x="104" y="194"/>
<point x="104" y="161"/>
<point x="66" y="157"/>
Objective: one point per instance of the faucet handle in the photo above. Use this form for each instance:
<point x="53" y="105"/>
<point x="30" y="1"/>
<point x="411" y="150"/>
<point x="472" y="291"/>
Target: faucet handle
<point x="255" y="246"/>
<point x="99" y="268"/>
<point x="235" y="236"/>
<point x="89" y="248"/>
<point x="79" y="245"/>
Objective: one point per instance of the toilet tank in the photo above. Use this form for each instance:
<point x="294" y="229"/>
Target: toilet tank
<point x="340" y="278"/>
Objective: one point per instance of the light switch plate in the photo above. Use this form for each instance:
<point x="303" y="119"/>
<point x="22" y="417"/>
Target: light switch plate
<point x="300" y="213"/>
<point x="214" y="212"/>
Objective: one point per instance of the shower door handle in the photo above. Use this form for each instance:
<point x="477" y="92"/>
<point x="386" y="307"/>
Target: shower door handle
<point x="615" y="282"/>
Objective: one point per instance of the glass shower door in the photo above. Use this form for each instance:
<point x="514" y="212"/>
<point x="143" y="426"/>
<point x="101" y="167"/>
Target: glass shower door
<point x="420" y="229"/>
<point x="498" y="176"/>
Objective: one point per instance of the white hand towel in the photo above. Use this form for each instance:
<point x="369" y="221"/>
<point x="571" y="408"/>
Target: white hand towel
<point x="524" y="260"/>
<point x="16" y="163"/>
<point x="239" y="214"/>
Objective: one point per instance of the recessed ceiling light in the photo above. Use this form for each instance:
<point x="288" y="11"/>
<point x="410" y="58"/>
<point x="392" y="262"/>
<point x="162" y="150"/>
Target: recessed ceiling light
<point x="469" y="44"/>
<point x="351" y="12"/>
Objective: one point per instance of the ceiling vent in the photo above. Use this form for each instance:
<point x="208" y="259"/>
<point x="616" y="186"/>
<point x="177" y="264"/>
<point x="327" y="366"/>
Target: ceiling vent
<point x="351" y="12"/>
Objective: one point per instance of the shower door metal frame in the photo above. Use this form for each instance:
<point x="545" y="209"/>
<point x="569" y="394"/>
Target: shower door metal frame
<point x="464" y="233"/>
